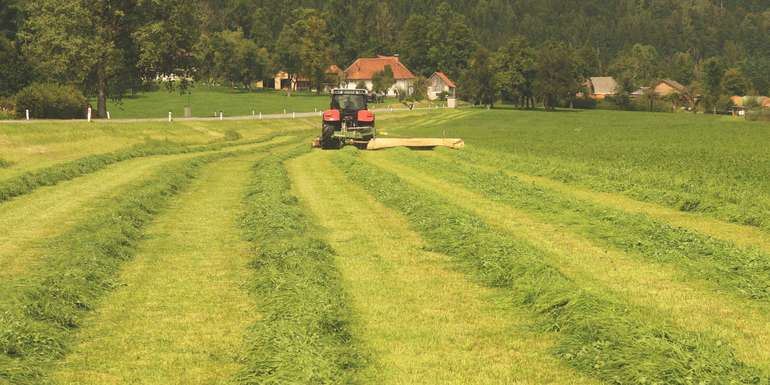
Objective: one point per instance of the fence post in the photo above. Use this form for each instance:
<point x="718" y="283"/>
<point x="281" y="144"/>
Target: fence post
<point x="88" y="115"/>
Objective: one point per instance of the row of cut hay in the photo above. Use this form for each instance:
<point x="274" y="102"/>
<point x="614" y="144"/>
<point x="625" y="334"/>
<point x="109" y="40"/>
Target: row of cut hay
<point x="303" y="335"/>
<point x="745" y="203"/>
<point x="81" y="268"/>
<point x="744" y="272"/>
<point x="596" y="334"/>
<point x="49" y="176"/>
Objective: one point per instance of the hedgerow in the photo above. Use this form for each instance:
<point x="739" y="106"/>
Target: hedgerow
<point x="745" y="272"/>
<point x="49" y="176"/>
<point x="597" y="334"/>
<point x="303" y="335"/>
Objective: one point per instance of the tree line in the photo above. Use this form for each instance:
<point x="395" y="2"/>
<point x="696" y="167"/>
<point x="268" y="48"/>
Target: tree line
<point x="519" y="50"/>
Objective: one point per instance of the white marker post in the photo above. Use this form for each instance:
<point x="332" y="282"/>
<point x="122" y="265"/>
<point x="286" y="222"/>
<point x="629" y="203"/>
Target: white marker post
<point x="169" y="116"/>
<point x="293" y="115"/>
<point x="221" y="115"/>
<point x="108" y="115"/>
<point x="88" y="115"/>
<point x="27" y="111"/>
<point x="260" y="116"/>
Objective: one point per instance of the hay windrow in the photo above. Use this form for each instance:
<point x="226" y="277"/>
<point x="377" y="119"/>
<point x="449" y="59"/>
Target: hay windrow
<point x="597" y="334"/>
<point x="303" y="336"/>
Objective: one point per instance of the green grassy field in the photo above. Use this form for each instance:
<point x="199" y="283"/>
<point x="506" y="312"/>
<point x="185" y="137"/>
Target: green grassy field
<point x="575" y="247"/>
<point x="206" y="101"/>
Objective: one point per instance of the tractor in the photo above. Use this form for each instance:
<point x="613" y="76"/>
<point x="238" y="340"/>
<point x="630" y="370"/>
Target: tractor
<point x="348" y="121"/>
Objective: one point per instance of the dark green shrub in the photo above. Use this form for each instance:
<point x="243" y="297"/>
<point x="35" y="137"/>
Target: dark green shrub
<point x="757" y="114"/>
<point x="584" y="103"/>
<point x="4" y="163"/>
<point x="51" y="101"/>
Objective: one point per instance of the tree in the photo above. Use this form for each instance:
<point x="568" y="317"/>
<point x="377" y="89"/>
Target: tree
<point x="478" y="81"/>
<point x="514" y="67"/>
<point x="167" y="38"/>
<point x="105" y="47"/>
<point x="13" y="76"/>
<point x="236" y="59"/>
<point x="682" y="68"/>
<point x="557" y="74"/>
<point x="304" y="47"/>
<point x="383" y="80"/>
<point x="711" y="75"/>
<point x="414" y="45"/>
<point x="734" y="82"/>
<point x="639" y="64"/>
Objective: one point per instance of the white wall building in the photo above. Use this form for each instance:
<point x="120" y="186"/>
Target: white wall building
<point x="362" y="71"/>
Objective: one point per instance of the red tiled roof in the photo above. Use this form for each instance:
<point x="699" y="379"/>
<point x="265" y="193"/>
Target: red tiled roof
<point x="445" y="79"/>
<point x="365" y="68"/>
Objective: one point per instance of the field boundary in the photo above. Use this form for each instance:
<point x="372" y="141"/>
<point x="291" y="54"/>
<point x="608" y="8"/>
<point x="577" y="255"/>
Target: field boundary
<point x="286" y="116"/>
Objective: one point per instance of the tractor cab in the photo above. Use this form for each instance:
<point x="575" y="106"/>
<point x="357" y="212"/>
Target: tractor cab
<point x="348" y="120"/>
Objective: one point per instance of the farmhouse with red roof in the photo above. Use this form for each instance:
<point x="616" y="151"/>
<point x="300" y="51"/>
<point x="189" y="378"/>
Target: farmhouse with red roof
<point x="363" y="70"/>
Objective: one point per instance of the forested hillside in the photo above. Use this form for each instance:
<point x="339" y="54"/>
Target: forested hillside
<point x="110" y="46"/>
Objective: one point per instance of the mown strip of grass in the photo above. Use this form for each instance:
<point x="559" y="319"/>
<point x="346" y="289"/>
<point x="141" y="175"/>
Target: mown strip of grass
<point x="303" y="335"/>
<point x="81" y="268"/>
<point x="597" y="334"/>
<point x="49" y="176"/>
<point x="745" y="272"/>
<point x="741" y="200"/>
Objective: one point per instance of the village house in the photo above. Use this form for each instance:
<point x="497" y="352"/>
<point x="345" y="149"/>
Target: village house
<point x="667" y="87"/>
<point x="439" y="83"/>
<point x="363" y="69"/>
<point x="282" y="81"/>
<point x="599" y="87"/>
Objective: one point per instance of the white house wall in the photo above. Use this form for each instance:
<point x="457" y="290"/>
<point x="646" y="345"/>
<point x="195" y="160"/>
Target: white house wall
<point x="404" y="84"/>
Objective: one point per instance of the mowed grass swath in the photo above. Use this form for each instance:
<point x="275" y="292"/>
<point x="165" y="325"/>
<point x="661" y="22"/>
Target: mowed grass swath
<point x="585" y="290"/>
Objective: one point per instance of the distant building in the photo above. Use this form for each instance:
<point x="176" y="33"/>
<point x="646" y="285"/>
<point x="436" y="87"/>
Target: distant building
<point x="282" y="81"/>
<point x="363" y="69"/>
<point x="599" y="87"/>
<point x="667" y="87"/>
<point x="439" y="83"/>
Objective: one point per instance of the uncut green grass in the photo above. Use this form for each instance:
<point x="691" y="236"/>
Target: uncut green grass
<point x="206" y="100"/>
<point x="598" y="334"/>
<point x="717" y="166"/>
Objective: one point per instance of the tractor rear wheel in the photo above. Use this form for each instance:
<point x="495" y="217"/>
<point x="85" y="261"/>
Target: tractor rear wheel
<point x="328" y="141"/>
